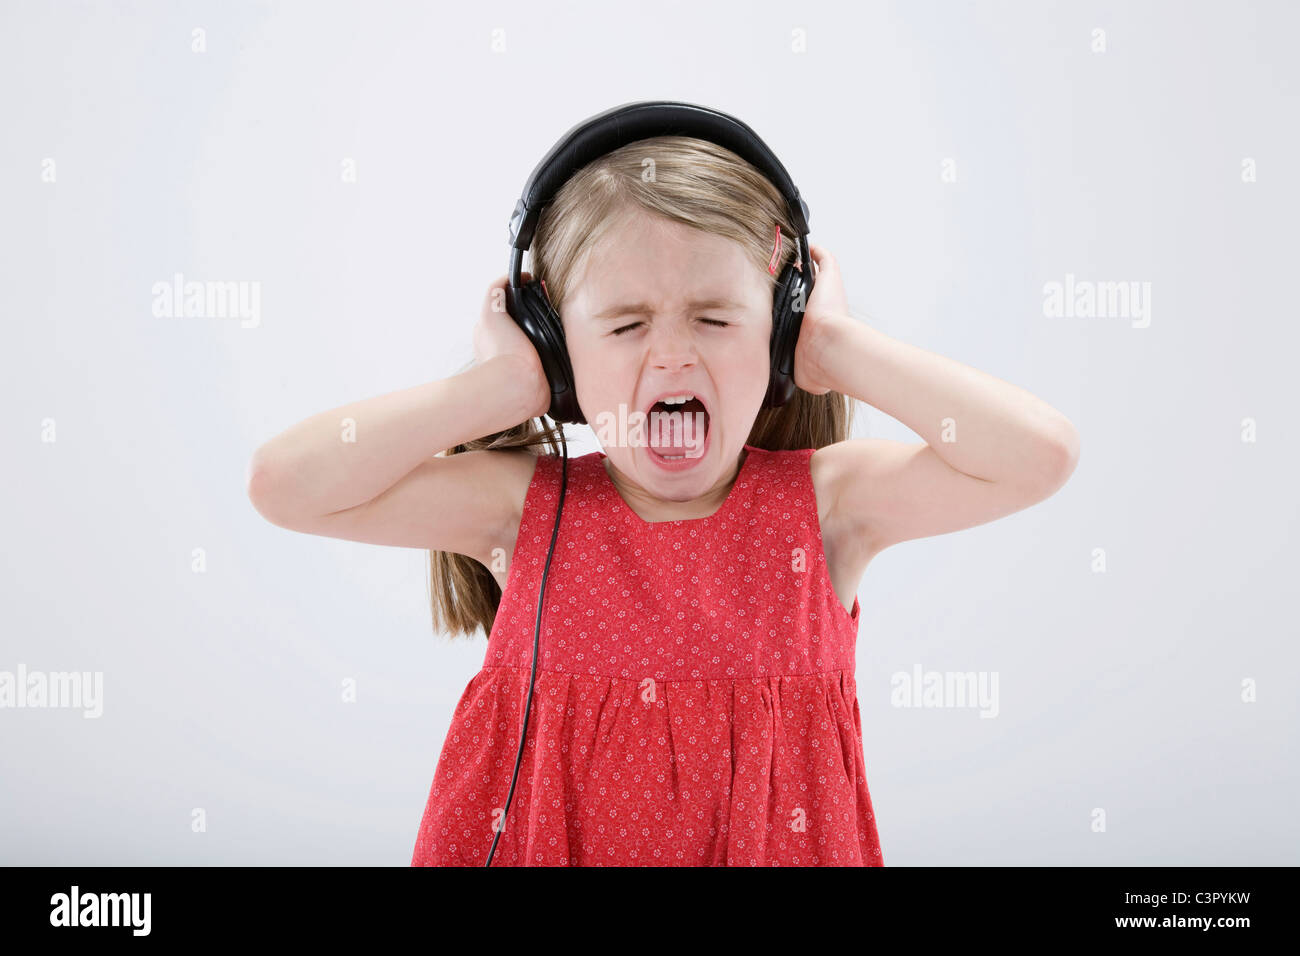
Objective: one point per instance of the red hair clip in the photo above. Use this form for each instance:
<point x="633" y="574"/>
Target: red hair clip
<point x="776" y="252"/>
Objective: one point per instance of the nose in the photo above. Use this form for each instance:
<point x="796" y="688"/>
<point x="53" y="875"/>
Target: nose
<point x="670" y="348"/>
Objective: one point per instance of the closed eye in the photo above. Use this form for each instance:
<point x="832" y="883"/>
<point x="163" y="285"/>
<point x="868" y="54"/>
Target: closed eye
<point x="628" y="328"/>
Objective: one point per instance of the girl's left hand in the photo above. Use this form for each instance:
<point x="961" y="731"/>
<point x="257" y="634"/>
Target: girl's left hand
<point x="826" y="310"/>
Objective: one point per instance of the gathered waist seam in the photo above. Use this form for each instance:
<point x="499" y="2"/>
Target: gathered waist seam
<point x="836" y="672"/>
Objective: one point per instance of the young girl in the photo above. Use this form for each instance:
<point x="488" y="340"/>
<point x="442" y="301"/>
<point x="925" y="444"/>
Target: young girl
<point x="695" y="699"/>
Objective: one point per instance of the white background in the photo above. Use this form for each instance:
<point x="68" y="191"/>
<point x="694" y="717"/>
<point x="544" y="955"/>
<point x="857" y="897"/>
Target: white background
<point x="1119" y="690"/>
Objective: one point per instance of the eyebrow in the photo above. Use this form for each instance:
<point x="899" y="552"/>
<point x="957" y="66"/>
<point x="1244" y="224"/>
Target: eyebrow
<point x="643" y="308"/>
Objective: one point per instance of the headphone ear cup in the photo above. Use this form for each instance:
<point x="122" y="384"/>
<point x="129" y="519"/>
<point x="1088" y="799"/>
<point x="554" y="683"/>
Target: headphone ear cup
<point x="532" y="312"/>
<point x="788" y="303"/>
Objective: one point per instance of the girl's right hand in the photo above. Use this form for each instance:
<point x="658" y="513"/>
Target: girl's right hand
<point x="498" y="335"/>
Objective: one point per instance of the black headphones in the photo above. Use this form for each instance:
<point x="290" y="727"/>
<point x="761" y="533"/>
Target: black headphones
<point x="530" y="307"/>
<point x="529" y="304"/>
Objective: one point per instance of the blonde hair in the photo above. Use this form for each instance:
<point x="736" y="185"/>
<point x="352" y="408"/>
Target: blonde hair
<point x="681" y="179"/>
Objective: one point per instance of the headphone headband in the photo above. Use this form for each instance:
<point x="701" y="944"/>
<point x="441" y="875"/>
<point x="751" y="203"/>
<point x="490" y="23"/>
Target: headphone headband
<point x="620" y="125"/>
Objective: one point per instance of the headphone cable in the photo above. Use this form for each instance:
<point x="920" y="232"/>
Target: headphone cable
<point x="537" y="632"/>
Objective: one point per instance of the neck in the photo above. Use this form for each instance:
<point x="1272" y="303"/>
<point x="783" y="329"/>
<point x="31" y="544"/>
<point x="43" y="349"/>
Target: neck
<point x="652" y="508"/>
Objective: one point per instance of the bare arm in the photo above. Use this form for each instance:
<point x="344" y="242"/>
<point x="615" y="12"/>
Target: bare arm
<point x="991" y="448"/>
<point x="369" y="471"/>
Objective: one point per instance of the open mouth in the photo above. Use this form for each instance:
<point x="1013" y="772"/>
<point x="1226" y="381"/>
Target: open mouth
<point x="677" y="426"/>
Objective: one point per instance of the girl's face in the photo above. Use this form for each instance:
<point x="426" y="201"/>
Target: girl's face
<point x="662" y="309"/>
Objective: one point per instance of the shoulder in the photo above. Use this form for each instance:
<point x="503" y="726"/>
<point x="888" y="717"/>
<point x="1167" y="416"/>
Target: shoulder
<point x="552" y="465"/>
<point x="835" y="465"/>
<point x="498" y="479"/>
<point x="846" y="544"/>
<point x="825" y="467"/>
<point x="815" y="464"/>
<point x="547" y="473"/>
<point x="508" y="474"/>
<point x="833" y="468"/>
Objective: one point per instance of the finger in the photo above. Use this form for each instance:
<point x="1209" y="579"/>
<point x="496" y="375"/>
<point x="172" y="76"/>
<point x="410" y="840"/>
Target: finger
<point x="814" y="256"/>
<point x="827" y="261"/>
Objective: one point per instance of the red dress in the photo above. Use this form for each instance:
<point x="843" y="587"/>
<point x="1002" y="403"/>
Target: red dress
<point x="695" y="701"/>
